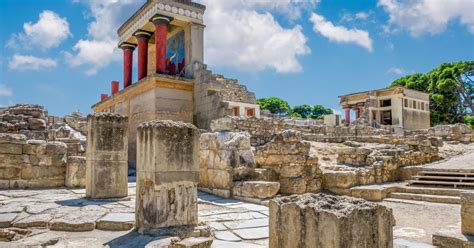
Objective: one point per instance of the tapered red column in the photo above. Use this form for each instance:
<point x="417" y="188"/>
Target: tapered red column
<point x="347" y="116"/>
<point x="161" y="32"/>
<point x="143" y="37"/>
<point x="127" y="63"/>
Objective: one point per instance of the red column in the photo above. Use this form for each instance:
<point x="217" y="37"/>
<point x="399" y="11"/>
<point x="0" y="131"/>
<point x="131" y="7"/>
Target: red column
<point x="127" y="63"/>
<point x="161" y="31"/>
<point x="103" y="97"/>
<point x="348" y="116"/>
<point x="114" y="87"/>
<point x="143" y="37"/>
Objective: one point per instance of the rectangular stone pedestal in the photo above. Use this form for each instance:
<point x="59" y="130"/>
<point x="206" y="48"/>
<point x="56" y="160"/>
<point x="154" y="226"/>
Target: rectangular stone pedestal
<point x="167" y="175"/>
<point x="320" y="220"/>
<point x="467" y="213"/>
<point x="107" y="156"/>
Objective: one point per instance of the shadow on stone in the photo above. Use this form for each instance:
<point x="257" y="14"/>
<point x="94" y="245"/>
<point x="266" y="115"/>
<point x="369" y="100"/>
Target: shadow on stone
<point x="134" y="239"/>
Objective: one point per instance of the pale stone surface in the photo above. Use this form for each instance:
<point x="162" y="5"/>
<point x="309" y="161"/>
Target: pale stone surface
<point x="293" y="161"/>
<point x="256" y="189"/>
<point x="116" y="222"/>
<point x="224" y="157"/>
<point x="76" y="172"/>
<point x="37" y="220"/>
<point x="467" y="213"/>
<point x="107" y="156"/>
<point x="319" y="220"/>
<point x="167" y="175"/>
<point x="6" y="219"/>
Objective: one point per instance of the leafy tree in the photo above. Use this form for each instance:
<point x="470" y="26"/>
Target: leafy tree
<point x="274" y="105"/>
<point x="451" y="87"/>
<point x="319" y="110"/>
<point x="469" y="120"/>
<point x="295" y="114"/>
<point x="304" y="111"/>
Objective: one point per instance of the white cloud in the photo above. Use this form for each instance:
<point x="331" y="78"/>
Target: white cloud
<point x="341" y="34"/>
<point x="428" y="16"/>
<point x="26" y="62"/>
<point x="5" y="90"/>
<point x="397" y="71"/>
<point x="50" y="31"/>
<point x="362" y="15"/>
<point x="244" y="35"/>
<point x="100" y="48"/>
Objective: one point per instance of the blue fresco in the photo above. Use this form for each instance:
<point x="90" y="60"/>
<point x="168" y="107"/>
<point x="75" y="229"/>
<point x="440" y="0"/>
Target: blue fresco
<point x="175" y="54"/>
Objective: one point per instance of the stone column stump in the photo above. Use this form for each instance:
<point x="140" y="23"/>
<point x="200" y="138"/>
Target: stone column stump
<point x="167" y="176"/>
<point x="107" y="156"/>
<point x="467" y="213"/>
<point x="320" y="220"/>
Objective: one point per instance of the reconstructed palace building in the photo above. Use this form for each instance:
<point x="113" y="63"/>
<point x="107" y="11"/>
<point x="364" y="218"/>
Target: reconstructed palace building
<point x="173" y="81"/>
<point x="395" y="107"/>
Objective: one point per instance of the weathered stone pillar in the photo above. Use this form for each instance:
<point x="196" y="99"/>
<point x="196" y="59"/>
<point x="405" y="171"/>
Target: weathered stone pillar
<point x="467" y="213"/>
<point x="127" y="63"/>
<point x="161" y="32"/>
<point x="347" y="120"/>
<point x="320" y="220"/>
<point x="107" y="156"/>
<point x="167" y="175"/>
<point x="143" y="37"/>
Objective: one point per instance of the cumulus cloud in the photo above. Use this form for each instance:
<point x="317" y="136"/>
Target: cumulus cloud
<point x="428" y="16"/>
<point x="244" y="35"/>
<point x="99" y="49"/>
<point x="341" y="34"/>
<point x="397" y="71"/>
<point x="27" y="62"/>
<point x="50" y="31"/>
<point x="5" y="90"/>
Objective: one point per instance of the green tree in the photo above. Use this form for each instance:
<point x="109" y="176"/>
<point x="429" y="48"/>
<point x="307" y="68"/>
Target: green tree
<point x="451" y="88"/>
<point x="304" y="110"/>
<point x="274" y="105"/>
<point x="319" y="110"/>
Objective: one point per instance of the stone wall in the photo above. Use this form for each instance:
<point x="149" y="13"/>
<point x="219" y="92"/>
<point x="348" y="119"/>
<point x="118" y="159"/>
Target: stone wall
<point x="262" y="130"/>
<point x="27" y="119"/>
<point x="290" y="161"/>
<point x="319" y="221"/>
<point x="210" y="92"/>
<point x="31" y="163"/>
<point x="458" y="132"/>
<point x="224" y="157"/>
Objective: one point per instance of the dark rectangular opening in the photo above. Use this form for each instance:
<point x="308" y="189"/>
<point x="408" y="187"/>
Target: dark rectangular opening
<point x="386" y="117"/>
<point x="386" y="103"/>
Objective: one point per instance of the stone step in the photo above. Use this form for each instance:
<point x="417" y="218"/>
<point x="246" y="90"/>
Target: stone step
<point x="441" y="183"/>
<point x="447" y="173"/>
<point x="426" y="197"/>
<point x="444" y="178"/>
<point x="428" y="190"/>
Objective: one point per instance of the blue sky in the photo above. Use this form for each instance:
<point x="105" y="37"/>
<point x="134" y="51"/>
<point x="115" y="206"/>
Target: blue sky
<point x="61" y="54"/>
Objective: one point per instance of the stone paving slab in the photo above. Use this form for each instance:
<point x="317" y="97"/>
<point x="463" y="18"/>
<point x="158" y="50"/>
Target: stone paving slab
<point x="7" y="219"/>
<point x="252" y="233"/>
<point x="36" y="220"/>
<point x="226" y="236"/>
<point x="226" y="244"/>
<point x="116" y="222"/>
<point x="246" y="223"/>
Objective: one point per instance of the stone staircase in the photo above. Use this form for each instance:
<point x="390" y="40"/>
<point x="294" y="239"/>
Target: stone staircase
<point x="441" y="186"/>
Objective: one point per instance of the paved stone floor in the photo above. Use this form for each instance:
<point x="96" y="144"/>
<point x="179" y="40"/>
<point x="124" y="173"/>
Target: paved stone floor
<point x="236" y="223"/>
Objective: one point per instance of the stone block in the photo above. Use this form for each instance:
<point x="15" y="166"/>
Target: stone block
<point x="40" y="172"/>
<point x="6" y="148"/>
<point x="167" y="175"/>
<point x="9" y="173"/>
<point x="12" y="138"/>
<point x="467" y="213"/>
<point x="320" y="220"/>
<point x="76" y="172"/>
<point x="256" y="189"/>
<point x="107" y="156"/>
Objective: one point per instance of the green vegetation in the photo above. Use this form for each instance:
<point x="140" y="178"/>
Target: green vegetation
<point x="469" y="120"/>
<point x="451" y="87"/>
<point x="281" y="107"/>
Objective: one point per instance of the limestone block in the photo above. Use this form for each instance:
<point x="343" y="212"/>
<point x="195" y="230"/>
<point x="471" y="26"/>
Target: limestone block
<point x="467" y="213"/>
<point x="12" y="138"/>
<point x="36" y="124"/>
<point x="6" y="148"/>
<point x="319" y="220"/>
<point x="76" y="172"/>
<point x="107" y="156"/>
<point x="167" y="175"/>
<point x="256" y="189"/>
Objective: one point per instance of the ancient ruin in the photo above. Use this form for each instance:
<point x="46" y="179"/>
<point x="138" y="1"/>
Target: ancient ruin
<point x="107" y="157"/>
<point x="184" y="157"/>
